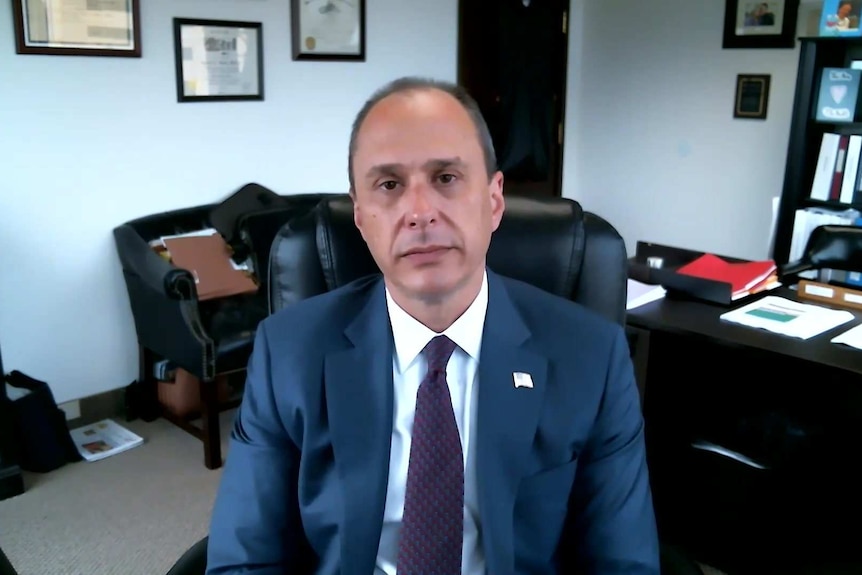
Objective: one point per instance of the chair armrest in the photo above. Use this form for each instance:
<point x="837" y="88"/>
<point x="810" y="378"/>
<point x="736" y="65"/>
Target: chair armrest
<point x="138" y="258"/>
<point x="164" y="304"/>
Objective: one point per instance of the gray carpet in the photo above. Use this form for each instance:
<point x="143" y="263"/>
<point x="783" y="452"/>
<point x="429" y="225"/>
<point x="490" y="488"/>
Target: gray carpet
<point x="131" y="514"/>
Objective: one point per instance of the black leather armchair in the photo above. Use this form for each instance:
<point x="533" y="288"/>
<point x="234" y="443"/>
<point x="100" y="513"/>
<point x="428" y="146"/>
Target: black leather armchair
<point x="548" y="242"/>
<point x="11" y="479"/>
<point x="209" y="339"/>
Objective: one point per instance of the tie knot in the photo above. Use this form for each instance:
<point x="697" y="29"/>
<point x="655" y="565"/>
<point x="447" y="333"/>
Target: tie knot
<point x="438" y="351"/>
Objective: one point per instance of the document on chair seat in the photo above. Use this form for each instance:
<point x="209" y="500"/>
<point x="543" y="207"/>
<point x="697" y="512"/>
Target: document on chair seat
<point x="207" y="258"/>
<point x="639" y="293"/>
<point x="851" y="337"/>
<point x="788" y="317"/>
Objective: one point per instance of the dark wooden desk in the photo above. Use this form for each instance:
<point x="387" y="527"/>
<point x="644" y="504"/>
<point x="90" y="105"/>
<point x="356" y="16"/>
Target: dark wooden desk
<point x="792" y="408"/>
<point x="695" y="319"/>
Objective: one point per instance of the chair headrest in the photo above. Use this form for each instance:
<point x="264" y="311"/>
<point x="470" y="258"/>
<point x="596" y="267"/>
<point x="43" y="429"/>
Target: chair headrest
<point x="539" y="241"/>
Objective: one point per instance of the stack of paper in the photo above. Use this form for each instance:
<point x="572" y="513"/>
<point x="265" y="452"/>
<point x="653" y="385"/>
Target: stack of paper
<point x="787" y="317"/>
<point x="851" y="337"/>
<point x="640" y="293"/>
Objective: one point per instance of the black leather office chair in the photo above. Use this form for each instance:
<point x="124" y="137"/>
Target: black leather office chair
<point x="5" y="566"/>
<point x="193" y="561"/>
<point x="548" y="242"/>
<point x="828" y="247"/>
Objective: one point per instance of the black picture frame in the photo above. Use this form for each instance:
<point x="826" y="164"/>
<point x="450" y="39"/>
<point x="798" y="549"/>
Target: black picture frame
<point x="234" y="45"/>
<point x="740" y="32"/>
<point x="752" y="96"/>
<point x="30" y="23"/>
<point x="304" y="46"/>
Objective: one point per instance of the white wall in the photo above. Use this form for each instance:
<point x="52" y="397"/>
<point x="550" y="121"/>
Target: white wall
<point x="88" y="143"/>
<point x="651" y="142"/>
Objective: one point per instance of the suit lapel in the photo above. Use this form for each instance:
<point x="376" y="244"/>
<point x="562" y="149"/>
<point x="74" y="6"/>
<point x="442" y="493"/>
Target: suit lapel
<point x="507" y="418"/>
<point x="359" y="399"/>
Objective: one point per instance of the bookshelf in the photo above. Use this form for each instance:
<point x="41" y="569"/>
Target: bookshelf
<point x="806" y="133"/>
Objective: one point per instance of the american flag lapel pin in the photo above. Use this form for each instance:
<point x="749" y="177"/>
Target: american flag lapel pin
<point x="522" y="380"/>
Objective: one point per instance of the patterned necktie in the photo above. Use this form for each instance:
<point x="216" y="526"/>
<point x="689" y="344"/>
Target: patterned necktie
<point x="432" y="529"/>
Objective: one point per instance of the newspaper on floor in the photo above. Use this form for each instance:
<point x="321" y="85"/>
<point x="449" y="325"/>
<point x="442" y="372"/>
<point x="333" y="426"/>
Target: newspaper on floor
<point x="103" y="439"/>
<point x="788" y="317"/>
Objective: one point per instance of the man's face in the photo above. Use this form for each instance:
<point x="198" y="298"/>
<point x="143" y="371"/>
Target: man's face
<point x="422" y="198"/>
<point x="844" y="10"/>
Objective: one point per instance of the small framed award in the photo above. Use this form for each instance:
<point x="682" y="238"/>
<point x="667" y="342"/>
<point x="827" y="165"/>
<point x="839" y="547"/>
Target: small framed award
<point x="328" y="29"/>
<point x="77" y="27"/>
<point x="752" y="96"/>
<point x="218" y="60"/>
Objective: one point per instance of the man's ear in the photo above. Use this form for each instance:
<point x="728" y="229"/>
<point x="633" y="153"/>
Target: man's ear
<point x="498" y="203"/>
<point x="357" y="211"/>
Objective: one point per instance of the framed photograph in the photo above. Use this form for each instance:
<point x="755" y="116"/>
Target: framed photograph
<point x="328" y="29"/>
<point x="218" y="60"/>
<point x="840" y="18"/>
<point x="751" y="24"/>
<point x="77" y="27"/>
<point x="752" y="96"/>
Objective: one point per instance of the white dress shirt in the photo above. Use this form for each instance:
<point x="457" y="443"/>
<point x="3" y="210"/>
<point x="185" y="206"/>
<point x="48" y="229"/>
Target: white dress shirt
<point x="409" y="367"/>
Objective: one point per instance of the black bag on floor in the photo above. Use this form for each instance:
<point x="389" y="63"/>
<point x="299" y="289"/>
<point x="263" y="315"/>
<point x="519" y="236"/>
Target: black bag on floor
<point x="40" y="435"/>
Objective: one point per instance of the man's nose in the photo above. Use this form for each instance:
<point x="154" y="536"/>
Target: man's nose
<point x="421" y="207"/>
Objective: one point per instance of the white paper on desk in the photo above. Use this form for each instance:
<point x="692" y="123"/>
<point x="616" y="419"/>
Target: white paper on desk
<point x="639" y="293"/>
<point x="787" y="317"/>
<point x="851" y="337"/>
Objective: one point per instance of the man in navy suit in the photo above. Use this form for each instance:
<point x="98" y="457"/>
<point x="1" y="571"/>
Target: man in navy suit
<point x="440" y="419"/>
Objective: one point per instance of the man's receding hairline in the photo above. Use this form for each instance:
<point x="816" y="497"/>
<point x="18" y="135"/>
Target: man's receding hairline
<point x="412" y="90"/>
<point x="409" y="85"/>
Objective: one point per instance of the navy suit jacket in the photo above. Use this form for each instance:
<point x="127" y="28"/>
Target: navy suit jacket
<point x="561" y="467"/>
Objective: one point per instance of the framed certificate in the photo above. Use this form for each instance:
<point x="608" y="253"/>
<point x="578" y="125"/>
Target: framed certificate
<point x="328" y="29"/>
<point x="752" y="96"/>
<point x="218" y="60"/>
<point x="77" y="27"/>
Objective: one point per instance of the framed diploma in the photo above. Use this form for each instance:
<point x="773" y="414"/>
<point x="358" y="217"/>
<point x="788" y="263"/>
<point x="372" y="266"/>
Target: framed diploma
<point x="77" y="27"/>
<point x="328" y="29"/>
<point x="218" y="60"/>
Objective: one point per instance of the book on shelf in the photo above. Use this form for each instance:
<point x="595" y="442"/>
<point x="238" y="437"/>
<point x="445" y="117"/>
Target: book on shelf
<point x="838" y="95"/>
<point x="837" y="177"/>
<point x="839" y="18"/>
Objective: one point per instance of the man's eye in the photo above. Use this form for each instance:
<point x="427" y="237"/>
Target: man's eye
<point x="446" y="178"/>
<point x="389" y="185"/>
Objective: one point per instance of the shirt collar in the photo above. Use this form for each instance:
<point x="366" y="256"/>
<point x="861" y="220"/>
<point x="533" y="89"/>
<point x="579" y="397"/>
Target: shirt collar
<point x="411" y="336"/>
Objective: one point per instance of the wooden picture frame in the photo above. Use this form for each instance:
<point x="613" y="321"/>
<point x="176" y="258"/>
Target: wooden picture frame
<point x="752" y="96"/>
<point x="218" y="60"/>
<point x="58" y="28"/>
<point x="753" y="24"/>
<point x="328" y="30"/>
